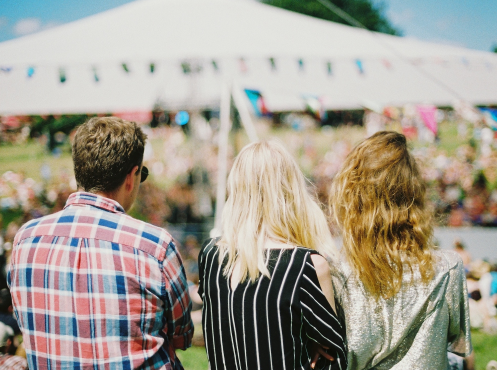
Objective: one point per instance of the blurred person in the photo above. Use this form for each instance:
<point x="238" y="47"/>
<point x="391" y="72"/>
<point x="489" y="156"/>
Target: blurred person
<point x="91" y="286"/>
<point x="7" y="311"/>
<point x="405" y="302"/>
<point x="488" y="292"/>
<point x="8" y="359"/>
<point x="265" y="284"/>
<point x="460" y="249"/>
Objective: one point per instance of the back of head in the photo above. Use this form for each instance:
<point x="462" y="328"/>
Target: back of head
<point x="378" y="200"/>
<point x="268" y="199"/>
<point x="104" y="151"/>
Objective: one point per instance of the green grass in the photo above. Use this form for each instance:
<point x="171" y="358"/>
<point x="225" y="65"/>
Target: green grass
<point x="193" y="358"/>
<point x="449" y="140"/>
<point x="29" y="157"/>
<point x="484" y="346"/>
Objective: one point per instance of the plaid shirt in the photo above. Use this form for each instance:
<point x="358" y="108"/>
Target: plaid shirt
<point x="95" y="288"/>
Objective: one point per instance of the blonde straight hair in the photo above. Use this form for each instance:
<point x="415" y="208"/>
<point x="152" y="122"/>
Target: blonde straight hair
<point x="378" y="200"/>
<point x="268" y="198"/>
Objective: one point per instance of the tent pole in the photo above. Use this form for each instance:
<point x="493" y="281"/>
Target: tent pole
<point x="241" y="105"/>
<point x="222" y="157"/>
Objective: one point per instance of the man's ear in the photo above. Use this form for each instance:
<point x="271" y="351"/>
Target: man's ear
<point x="129" y="182"/>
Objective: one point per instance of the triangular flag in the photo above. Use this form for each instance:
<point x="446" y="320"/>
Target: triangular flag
<point x="329" y="68"/>
<point x="243" y="65"/>
<point x="215" y="65"/>
<point x="31" y="71"/>
<point x="360" y="67"/>
<point x="428" y="114"/>
<point x="273" y="64"/>
<point x="95" y="74"/>
<point x="314" y="105"/>
<point x="301" y="64"/>
<point x="490" y="116"/>
<point x="62" y="75"/>
<point x="387" y="64"/>
<point x="257" y="101"/>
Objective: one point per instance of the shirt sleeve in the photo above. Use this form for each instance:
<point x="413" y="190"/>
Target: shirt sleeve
<point x="178" y="306"/>
<point x="320" y="321"/>
<point x="459" y="335"/>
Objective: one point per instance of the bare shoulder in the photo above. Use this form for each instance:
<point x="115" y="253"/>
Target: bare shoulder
<point x="321" y="265"/>
<point x="324" y="277"/>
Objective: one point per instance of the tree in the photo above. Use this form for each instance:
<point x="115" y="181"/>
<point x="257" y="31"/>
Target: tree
<point x="365" y="11"/>
<point x="495" y="48"/>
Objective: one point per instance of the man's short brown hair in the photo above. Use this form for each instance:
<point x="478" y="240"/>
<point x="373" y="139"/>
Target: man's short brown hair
<point x="104" y="151"/>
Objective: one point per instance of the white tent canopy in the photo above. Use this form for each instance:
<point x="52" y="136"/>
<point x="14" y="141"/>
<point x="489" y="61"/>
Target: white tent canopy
<point x="167" y="33"/>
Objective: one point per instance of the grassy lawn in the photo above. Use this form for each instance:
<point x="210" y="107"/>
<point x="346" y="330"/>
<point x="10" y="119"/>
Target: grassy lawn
<point x="28" y="159"/>
<point x="193" y="358"/>
<point x="484" y="346"/>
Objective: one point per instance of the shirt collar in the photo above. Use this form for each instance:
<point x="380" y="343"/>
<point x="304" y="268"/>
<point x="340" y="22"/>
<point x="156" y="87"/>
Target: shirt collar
<point x="83" y="198"/>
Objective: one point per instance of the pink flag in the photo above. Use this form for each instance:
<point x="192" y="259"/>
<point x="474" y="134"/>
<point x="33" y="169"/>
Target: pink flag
<point x="428" y="114"/>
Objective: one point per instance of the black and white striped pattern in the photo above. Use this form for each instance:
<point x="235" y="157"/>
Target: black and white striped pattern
<point x="268" y="324"/>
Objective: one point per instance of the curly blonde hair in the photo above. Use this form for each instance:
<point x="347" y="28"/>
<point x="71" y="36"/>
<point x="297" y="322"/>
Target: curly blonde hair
<point x="378" y="201"/>
<point x="268" y="198"/>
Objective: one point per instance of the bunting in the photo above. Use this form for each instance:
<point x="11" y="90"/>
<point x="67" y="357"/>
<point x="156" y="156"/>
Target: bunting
<point x="242" y="65"/>
<point x="301" y="64"/>
<point x="215" y="65"/>
<point x="490" y="116"/>
<point x="62" y="75"/>
<point x="30" y="72"/>
<point x="273" y="64"/>
<point x="329" y="68"/>
<point x="315" y="106"/>
<point x="387" y="63"/>
<point x="95" y="74"/>
<point x="196" y="66"/>
<point x="359" y="65"/>
<point x="257" y="101"/>
<point x="428" y="115"/>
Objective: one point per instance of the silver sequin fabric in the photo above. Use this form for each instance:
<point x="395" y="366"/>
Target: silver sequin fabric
<point x="412" y="330"/>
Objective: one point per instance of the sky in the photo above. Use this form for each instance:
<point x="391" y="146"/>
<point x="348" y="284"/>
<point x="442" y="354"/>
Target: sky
<point x="467" y="23"/>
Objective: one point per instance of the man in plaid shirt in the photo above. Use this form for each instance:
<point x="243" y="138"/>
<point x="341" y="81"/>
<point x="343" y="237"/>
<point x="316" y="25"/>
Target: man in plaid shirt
<point x="91" y="286"/>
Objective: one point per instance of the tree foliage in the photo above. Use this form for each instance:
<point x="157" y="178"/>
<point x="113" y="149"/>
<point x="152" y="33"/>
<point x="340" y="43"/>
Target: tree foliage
<point x="371" y="14"/>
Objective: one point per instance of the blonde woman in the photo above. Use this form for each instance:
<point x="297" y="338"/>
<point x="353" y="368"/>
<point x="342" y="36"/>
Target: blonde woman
<point x="266" y="287"/>
<point x="405" y="302"/>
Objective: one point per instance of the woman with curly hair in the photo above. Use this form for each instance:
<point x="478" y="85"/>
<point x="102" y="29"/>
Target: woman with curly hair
<point x="265" y="285"/>
<point x="404" y="301"/>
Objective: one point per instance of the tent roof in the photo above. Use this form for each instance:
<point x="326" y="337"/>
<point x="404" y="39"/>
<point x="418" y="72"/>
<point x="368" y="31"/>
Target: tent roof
<point x="167" y="32"/>
<point x="167" y="29"/>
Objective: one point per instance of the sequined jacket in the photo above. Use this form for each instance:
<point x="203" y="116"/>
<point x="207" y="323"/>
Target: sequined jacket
<point x="412" y="330"/>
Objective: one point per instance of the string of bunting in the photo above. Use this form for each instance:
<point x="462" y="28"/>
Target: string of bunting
<point x="189" y="67"/>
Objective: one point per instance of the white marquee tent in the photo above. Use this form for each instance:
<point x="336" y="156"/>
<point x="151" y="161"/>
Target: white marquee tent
<point x="229" y="41"/>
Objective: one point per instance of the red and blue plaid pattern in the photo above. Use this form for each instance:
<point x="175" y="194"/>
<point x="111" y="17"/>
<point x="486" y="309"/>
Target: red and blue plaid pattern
<point x="95" y="288"/>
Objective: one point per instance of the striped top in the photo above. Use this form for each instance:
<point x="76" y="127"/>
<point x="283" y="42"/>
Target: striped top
<point x="268" y="324"/>
<point x="94" y="288"/>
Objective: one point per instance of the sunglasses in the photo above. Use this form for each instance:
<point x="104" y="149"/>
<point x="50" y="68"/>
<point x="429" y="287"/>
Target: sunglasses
<point x="144" y="174"/>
